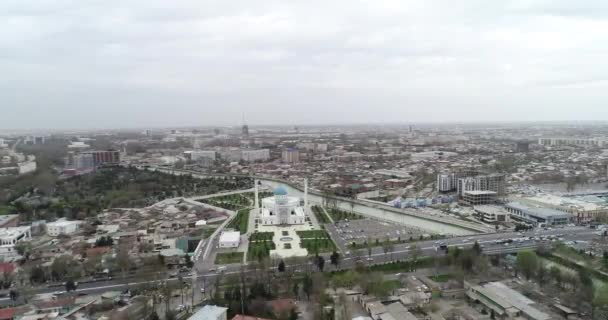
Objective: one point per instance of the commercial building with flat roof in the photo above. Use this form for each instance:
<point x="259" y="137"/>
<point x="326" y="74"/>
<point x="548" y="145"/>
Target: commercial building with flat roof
<point x="537" y="215"/>
<point x="210" y="312"/>
<point x="583" y="208"/>
<point x="504" y="302"/>
<point x="230" y="239"/>
<point x="478" y="197"/>
<point x="492" y="213"/>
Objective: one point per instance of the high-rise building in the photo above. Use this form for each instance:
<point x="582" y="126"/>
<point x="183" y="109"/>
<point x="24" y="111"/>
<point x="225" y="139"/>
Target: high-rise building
<point x="492" y="182"/>
<point x="523" y="146"/>
<point x="291" y="155"/>
<point x="446" y="182"/>
<point x="104" y="157"/>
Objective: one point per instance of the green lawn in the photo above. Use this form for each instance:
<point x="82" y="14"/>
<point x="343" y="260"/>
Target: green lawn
<point x="339" y="215"/>
<point x="229" y="257"/>
<point x="259" y="250"/>
<point x="320" y="214"/>
<point x="261" y="236"/>
<point x="318" y="245"/>
<point x="241" y="221"/>
<point x="312" y="234"/>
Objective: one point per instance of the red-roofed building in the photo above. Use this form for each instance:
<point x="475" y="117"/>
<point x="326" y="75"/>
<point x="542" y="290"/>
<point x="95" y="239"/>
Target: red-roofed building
<point x="97" y="251"/>
<point x="8" y="313"/>
<point x="12" y="313"/>
<point x="243" y="317"/>
<point x="282" y="306"/>
<point x="7" y="267"/>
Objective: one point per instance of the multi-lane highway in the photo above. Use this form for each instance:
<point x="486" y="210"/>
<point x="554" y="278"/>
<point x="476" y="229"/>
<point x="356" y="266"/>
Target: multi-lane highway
<point x="489" y="243"/>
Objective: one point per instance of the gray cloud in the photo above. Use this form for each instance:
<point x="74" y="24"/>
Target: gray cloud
<point x="68" y="63"/>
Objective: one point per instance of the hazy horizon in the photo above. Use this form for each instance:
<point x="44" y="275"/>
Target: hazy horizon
<point x="69" y="65"/>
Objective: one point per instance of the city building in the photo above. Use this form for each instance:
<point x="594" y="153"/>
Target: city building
<point x="62" y="226"/>
<point x="3" y="143"/>
<point x="492" y="214"/>
<point x="79" y="161"/>
<point x="78" y="145"/>
<point x="583" y="208"/>
<point x="491" y="182"/>
<point x="230" y="239"/>
<point x="9" y="220"/>
<point x="210" y="312"/>
<point x="291" y="156"/>
<point x="281" y="209"/>
<point x="537" y="215"/>
<point x="31" y="140"/>
<point x="104" y="157"/>
<point x="255" y="155"/>
<point x="27" y="166"/>
<point x="250" y="155"/>
<point x="523" y="146"/>
<point x="199" y="155"/>
<point x="9" y="237"/>
<point x="504" y="302"/>
<point x="478" y="197"/>
<point x="592" y="142"/>
<point x="446" y="182"/>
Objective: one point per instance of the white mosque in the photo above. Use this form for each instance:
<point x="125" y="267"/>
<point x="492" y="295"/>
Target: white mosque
<point x="281" y="209"/>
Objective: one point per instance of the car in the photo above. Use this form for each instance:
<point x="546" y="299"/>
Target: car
<point x="370" y="259"/>
<point x="202" y="290"/>
<point x="181" y="308"/>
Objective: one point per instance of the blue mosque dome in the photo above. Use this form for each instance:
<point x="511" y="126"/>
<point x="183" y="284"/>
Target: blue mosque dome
<point x="280" y="191"/>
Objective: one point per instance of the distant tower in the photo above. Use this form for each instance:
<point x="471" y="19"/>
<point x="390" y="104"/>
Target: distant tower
<point x="245" y="128"/>
<point x="195" y="143"/>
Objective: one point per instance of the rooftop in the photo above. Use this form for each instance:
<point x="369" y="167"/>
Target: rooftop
<point x="208" y="312"/>
<point x="230" y="236"/>
<point x="537" y="211"/>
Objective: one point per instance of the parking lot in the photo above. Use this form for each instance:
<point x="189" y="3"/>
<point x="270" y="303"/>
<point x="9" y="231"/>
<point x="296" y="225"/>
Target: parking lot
<point x="359" y="231"/>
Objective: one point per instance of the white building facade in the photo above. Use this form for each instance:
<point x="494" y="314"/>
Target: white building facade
<point x="230" y="239"/>
<point x="64" y="227"/>
<point x="281" y="209"/>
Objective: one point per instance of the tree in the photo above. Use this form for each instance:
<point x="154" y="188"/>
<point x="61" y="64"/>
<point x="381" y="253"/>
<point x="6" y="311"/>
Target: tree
<point x="123" y="260"/>
<point x="541" y="273"/>
<point x="320" y="263"/>
<point x="14" y="295"/>
<point x="556" y="274"/>
<point x="476" y="248"/>
<point x="62" y="266"/>
<point x="23" y="248"/>
<point x="296" y="290"/>
<point x="70" y="285"/>
<point x="527" y="263"/>
<point x="415" y="252"/>
<point x="600" y="302"/>
<point x="189" y="262"/>
<point x="281" y="266"/>
<point x="335" y="259"/>
<point x="307" y="285"/>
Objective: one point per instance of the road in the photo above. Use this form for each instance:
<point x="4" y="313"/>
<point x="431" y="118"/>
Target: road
<point x="400" y="252"/>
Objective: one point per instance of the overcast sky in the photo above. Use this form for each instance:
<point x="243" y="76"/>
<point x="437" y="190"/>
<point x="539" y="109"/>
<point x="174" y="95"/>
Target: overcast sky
<point x="79" y="63"/>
